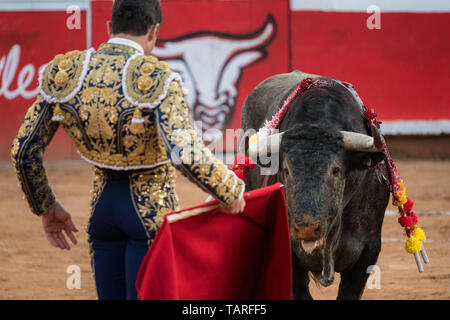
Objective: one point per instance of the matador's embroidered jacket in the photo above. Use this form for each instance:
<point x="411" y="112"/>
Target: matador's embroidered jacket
<point x="124" y="111"/>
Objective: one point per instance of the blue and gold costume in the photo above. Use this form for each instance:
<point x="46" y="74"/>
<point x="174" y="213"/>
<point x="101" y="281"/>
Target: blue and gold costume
<point x="127" y="115"/>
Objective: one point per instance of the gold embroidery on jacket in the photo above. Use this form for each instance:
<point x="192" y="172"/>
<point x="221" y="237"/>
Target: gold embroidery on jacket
<point x="197" y="162"/>
<point x="34" y="134"/>
<point x="100" y="117"/>
<point x="71" y="125"/>
<point x="153" y="195"/>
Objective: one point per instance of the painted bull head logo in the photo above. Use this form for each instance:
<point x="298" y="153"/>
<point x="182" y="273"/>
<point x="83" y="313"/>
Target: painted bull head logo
<point x="211" y="65"/>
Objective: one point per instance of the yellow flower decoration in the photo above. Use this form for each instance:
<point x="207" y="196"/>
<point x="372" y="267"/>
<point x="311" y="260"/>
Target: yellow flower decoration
<point x="413" y="245"/>
<point x="419" y="233"/>
<point x="400" y="198"/>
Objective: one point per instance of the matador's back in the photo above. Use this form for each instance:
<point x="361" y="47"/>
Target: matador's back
<point x="125" y="111"/>
<point x="103" y="101"/>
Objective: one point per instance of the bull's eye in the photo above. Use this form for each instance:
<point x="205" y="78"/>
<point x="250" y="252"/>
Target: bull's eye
<point x="336" y="171"/>
<point x="285" y="171"/>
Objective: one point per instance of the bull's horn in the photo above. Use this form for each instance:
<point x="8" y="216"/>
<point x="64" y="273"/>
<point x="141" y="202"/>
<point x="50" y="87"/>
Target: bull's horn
<point x="360" y="142"/>
<point x="378" y="139"/>
<point x="265" y="145"/>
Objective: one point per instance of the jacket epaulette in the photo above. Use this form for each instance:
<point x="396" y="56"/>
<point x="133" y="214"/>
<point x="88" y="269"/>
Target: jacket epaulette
<point x="62" y="78"/>
<point x="146" y="81"/>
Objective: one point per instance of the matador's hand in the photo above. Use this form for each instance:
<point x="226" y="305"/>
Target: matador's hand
<point x="236" y="207"/>
<point x="54" y="222"/>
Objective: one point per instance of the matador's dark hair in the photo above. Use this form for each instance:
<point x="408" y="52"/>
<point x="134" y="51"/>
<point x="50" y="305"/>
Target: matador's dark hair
<point x="134" y="17"/>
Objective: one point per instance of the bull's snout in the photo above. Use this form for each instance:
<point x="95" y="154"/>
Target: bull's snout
<point x="309" y="234"/>
<point x="307" y="231"/>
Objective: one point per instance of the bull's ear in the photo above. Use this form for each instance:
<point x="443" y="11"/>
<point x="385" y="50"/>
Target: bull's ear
<point x="364" y="160"/>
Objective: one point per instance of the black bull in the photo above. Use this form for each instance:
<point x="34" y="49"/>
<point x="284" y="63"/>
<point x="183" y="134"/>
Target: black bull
<point x="336" y="198"/>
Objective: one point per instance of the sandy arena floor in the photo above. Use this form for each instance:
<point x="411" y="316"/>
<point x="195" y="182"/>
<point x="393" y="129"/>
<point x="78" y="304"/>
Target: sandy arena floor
<point x="31" y="269"/>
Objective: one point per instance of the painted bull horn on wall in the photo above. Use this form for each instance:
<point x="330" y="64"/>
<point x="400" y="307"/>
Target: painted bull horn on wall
<point x="353" y="141"/>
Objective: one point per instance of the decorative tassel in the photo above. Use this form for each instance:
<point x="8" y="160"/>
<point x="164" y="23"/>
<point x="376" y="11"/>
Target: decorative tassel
<point x="424" y="255"/>
<point x="58" y="114"/>
<point x="418" y="262"/>
<point x="137" y="123"/>
<point x="413" y="245"/>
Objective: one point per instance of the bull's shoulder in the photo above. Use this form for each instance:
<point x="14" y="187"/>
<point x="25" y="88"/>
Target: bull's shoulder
<point x="283" y="81"/>
<point x="279" y="80"/>
<point x="146" y="80"/>
<point x="62" y="77"/>
<point x="263" y="101"/>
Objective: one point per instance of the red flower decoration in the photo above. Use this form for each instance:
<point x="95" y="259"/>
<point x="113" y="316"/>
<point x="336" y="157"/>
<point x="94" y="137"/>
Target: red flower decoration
<point x="305" y="84"/>
<point x="408" y="220"/>
<point x="371" y="116"/>
<point x="405" y="221"/>
<point x="408" y="206"/>
<point x="413" y="218"/>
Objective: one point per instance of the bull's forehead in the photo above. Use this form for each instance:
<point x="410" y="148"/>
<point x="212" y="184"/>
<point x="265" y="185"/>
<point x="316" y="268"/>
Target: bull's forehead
<point x="313" y="154"/>
<point x="309" y="157"/>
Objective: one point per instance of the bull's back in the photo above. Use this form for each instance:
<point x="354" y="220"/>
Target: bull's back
<point x="263" y="101"/>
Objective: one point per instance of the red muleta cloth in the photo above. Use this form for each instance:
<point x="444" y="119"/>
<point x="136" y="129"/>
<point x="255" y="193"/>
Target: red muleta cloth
<point x="219" y="256"/>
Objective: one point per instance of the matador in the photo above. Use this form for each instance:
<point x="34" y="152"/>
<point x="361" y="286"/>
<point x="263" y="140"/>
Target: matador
<point x="126" y="113"/>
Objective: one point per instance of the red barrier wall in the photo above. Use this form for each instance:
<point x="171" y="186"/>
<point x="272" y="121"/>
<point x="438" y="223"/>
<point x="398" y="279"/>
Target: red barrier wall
<point x="400" y="70"/>
<point x="29" y="40"/>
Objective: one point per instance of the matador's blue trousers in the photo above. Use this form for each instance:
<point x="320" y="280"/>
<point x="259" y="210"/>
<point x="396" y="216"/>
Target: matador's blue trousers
<point x="118" y="239"/>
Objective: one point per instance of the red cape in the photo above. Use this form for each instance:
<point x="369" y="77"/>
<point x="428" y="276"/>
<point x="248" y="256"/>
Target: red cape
<point x="218" y="256"/>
